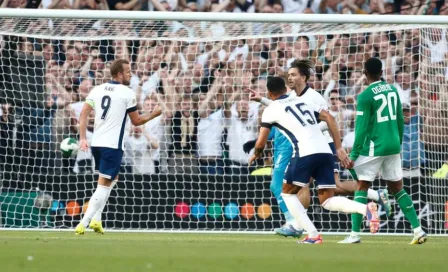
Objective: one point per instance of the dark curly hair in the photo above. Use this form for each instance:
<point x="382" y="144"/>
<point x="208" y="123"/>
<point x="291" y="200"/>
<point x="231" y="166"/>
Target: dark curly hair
<point x="304" y="66"/>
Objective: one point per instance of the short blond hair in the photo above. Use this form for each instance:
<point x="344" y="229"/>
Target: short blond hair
<point x="117" y="67"/>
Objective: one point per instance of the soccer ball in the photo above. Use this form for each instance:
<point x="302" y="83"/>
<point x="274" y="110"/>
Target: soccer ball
<point x="69" y="147"/>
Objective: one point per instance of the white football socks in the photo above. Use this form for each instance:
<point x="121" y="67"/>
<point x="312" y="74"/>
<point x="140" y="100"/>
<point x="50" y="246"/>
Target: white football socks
<point x="99" y="213"/>
<point x="417" y="230"/>
<point x="343" y="204"/>
<point x="299" y="213"/>
<point x="373" y="195"/>
<point x="96" y="202"/>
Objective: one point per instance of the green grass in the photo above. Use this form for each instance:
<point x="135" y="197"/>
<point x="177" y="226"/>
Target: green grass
<point x="128" y="252"/>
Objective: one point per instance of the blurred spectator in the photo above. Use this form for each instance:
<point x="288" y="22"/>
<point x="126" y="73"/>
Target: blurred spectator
<point x="154" y="129"/>
<point x="13" y="4"/>
<point x="56" y="4"/>
<point x="138" y="149"/>
<point x="436" y="42"/>
<point x="161" y="5"/>
<point x="91" y="4"/>
<point x="272" y="7"/>
<point x="233" y="6"/>
<point x="184" y="138"/>
<point x="210" y="130"/>
<point x="339" y="111"/>
<point x="242" y="126"/>
<point x="403" y="85"/>
<point x="7" y="140"/>
<point x="124" y="4"/>
<point x="435" y="132"/>
<point x="291" y="6"/>
<point x="413" y="152"/>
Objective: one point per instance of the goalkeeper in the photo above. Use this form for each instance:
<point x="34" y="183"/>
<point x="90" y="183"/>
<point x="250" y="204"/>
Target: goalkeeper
<point x="378" y="137"/>
<point x="282" y="155"/>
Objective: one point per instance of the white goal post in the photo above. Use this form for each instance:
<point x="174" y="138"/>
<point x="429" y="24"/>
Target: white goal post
<point x="187" y="171"/>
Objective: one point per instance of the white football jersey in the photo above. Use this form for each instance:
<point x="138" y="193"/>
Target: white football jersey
<point x="296" y="120"/>
<point x="311" y="96"/>
<point x="112" y="102"/>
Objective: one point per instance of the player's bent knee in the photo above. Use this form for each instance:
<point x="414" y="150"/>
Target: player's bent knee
<point x="104" y="181"/>
<point x="324" y="194"/>
<point x="395" y="186"/>
<point x="290" y="189"/>
<point x="363" y="185"/>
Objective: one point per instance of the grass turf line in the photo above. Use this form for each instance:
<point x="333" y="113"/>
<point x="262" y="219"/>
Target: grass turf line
<point x="157" y="252"/>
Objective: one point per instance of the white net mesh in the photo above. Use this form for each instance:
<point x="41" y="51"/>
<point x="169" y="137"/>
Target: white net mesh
<point x="187" y="169"/>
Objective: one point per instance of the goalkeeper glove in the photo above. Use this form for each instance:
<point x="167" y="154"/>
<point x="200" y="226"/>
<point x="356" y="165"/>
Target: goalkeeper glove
<point x="248" y="146"/>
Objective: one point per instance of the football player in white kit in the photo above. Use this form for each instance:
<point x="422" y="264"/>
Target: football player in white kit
<point x="112" y="102"/>
<point x="312" y="157"/>
<point x="298" y="74"/>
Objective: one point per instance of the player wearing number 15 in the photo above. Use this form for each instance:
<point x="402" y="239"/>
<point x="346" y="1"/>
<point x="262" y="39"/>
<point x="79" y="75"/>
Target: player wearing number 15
<point x="378" y="135"/>
<point x="112" y="102"/>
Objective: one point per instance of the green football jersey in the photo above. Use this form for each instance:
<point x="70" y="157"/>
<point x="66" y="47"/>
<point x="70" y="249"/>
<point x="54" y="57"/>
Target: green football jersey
<point x="379" y="122"/>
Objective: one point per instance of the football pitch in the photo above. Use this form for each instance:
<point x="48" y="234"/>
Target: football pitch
<point x="151" y="252"/>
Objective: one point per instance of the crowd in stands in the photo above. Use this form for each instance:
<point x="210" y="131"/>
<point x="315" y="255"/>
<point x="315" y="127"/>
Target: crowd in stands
<point x="203" y="86"/>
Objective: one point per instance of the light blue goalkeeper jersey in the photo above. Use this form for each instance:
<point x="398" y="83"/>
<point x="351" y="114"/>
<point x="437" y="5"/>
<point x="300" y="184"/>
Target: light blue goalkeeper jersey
<point x="282" y="147"/>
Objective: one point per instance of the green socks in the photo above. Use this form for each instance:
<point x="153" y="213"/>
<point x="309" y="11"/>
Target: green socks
<point x="361" y="197"/>
<point x="403" y="200"/>
<point x="406" y="205"/>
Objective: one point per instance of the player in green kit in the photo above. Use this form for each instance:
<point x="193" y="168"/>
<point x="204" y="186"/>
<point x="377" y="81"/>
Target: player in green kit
<point x="378" y="135"/>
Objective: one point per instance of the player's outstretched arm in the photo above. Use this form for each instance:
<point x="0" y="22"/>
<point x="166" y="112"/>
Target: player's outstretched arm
<point x="255" y="96"/>
<point x="138" y="120"/>
<point x="260" y="144"/>
<point x="334" y="130"/>
<point x="86" y="109"/>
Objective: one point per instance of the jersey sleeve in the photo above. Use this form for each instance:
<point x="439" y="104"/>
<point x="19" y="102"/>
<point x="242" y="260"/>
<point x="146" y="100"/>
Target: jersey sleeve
<point x="363" y="112"/>
<point x="400" y="119"/>
<point x="316" y="108"/>
<point x="265" y="102"/>
<point x="90" y="100"/>
<point x="131" y="104"/>
<point x="320" y="100"/>
<point x="271" y="135"/>
<point x="269" y="117"/>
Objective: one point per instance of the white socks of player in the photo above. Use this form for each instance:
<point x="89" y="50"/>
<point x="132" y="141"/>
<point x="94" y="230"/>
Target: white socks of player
<point x="98" y="214"/>
<point x="417" y="230"/>
<point x="299" y="213"/>
<point x="343" y="204"/>
<point x="373" y="195"/>
<point x="97" y="201"/>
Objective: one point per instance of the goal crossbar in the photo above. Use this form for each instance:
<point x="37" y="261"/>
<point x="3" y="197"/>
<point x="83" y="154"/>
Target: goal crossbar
<point x="223" y="17"/>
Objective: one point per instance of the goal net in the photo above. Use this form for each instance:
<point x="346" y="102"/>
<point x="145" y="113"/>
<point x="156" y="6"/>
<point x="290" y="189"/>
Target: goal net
<point x="187" y="170"/>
